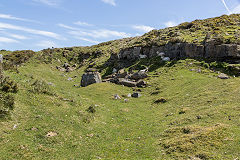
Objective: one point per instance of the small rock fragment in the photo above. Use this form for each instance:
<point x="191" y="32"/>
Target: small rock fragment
<point x="161" y="100"/>
<point x="51" y="134"/>
<point x="116" y="96"/>
<point x="223" y="76"/>
<point x="70" y="79"/>
<point x="136" y="95"/>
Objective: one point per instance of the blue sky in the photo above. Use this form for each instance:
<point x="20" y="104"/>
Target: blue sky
<point x="39" y="24"/>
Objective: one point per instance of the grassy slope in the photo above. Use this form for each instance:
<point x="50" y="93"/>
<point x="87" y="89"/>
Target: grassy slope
<point x="138" y="129"/>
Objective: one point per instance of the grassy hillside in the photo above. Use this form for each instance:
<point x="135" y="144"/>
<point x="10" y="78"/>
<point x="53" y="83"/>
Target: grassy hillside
<point x="185" y="112"/>
<point x="199" y="120"/>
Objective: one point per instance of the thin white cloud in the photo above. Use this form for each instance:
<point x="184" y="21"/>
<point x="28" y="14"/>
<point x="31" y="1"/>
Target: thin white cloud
<point x="46" y="44"/>
<point x="49" y="2"/>
<point x="87" y="40"/>
<point x="21" y="37"/>
<point x="102" y="33"/>
<point x="7" y="40"/>
<point x="7" y="26"/>
<point x="225" y="5"/>
<point x="111" y="2"/>
<point x="10" y="17"/>
<point x="67" y="27"/>
<point x="16" y="36"/>
<point x="83" y="23"/>
<point x="143" y="28"/>
<point x="170" y="24"/>
<point x="98" y="33"/>
<point x="236" y="9"/>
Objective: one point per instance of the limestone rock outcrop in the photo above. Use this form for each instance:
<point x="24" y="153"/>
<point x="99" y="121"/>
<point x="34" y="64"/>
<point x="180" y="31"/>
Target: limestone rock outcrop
<point x="182" y="50"/>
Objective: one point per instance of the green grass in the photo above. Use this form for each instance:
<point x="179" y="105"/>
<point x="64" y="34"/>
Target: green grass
<point x="199" y="120"/>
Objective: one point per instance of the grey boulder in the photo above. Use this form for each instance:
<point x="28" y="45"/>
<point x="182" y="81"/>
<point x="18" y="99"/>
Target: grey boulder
<point x="90" y="78"/>
<point x="223" y="76"/>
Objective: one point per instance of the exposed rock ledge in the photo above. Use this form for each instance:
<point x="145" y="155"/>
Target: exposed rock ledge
<point x="209" y="50"/>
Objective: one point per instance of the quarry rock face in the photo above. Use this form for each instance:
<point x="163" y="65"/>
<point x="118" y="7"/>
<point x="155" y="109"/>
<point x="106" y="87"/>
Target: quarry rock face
<point x="90" y="78"/>
<point x="181" y="50"/>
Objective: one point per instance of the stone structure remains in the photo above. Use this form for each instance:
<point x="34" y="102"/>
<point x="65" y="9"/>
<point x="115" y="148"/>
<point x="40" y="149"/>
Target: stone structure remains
<point x="128" y="79"/>
<point x="90" y="77"/>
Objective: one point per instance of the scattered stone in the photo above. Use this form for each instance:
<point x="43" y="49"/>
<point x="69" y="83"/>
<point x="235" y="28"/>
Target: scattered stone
<point x="69" y="69"/>
<point x="141" y="83"/>
<point x="136" y="95"/>
<point x="90" y="78"/>
<point x="141" y="56"/>
<point x="199" y="70"/>
<point x="198" y="117"/>
<point x="90" y="135"/>
<point x="170" y="114"/>
<point x="223" y="76"/>
<point x="137" y="90"/>
<point x="121" y="75"/>
<point x="155" y="93"/>
<point x="130" y="80"/>
<point x="70" y="79"/>
<point x="62" y="70"/>
<point x="126" y="100"/>
<point x="229" y="118"/>
<point x="74" y="66"/>
<point x="138" y="75"/>
<point x="161" y="100"/>
<point x="91" y="70"/>
<point x="127" y="83"/>
<point x="114" y="70"/>
<point x="166" y="59"/>
<point x="91" y="109"/>
<point x="66" y="65"/>
<point x="65" y="99"/>
<point x="34" y="128"/>
<point x="116" y="96"/>
<point x="65" y="68"/>
<point x="15" y="126"/>
<point x="160" y="54"/>
<point x="121" y="71"/>
<point x="124" y="96"/>
<point x="182" y="112"/>
<point x="129" y="95"/>
<point x="51" y="134"/>
<point x="50" y="84"/>
<point x="186" y="130"/>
